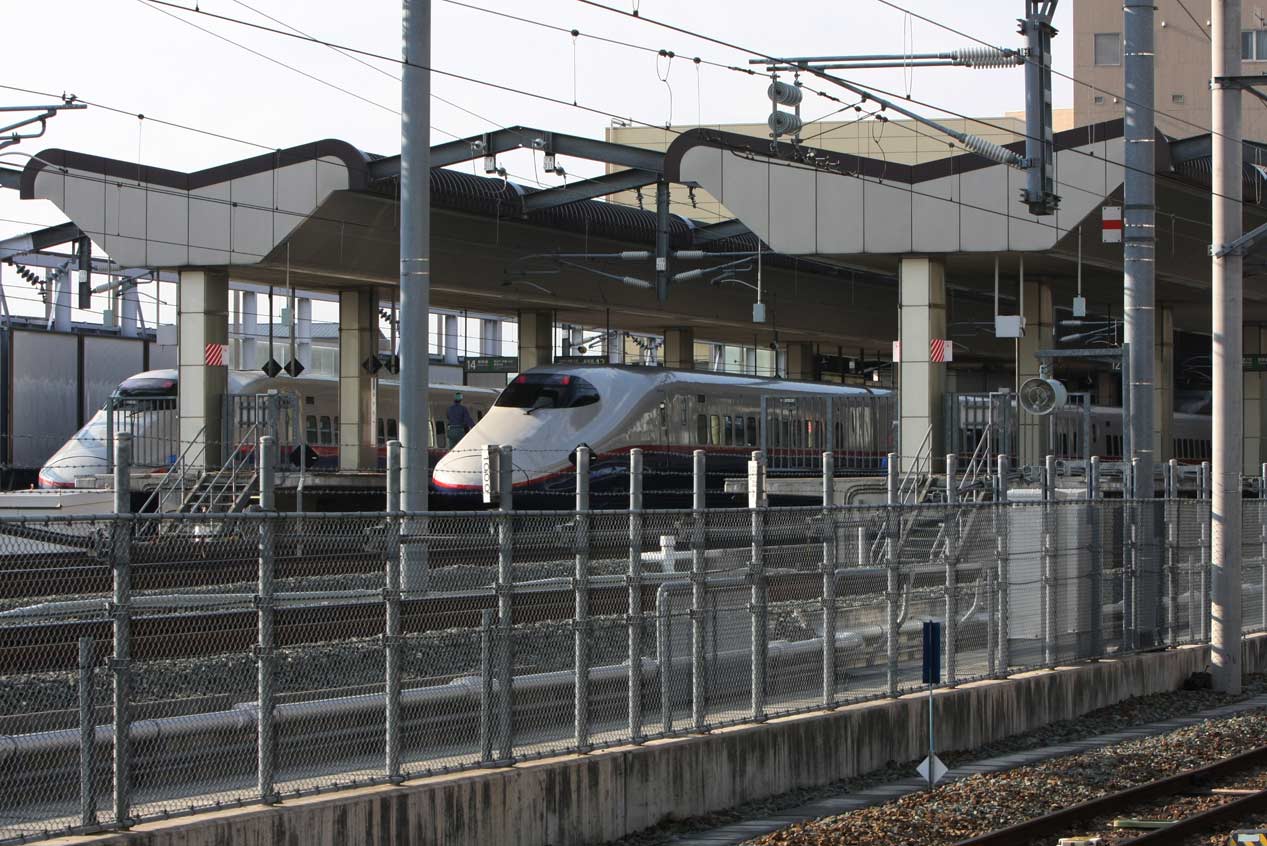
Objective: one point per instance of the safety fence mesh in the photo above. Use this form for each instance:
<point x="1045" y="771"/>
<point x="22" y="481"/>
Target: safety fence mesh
<point x="156" y="665"/>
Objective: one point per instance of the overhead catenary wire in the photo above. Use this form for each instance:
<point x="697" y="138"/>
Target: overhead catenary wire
<point x="878" y="90"/>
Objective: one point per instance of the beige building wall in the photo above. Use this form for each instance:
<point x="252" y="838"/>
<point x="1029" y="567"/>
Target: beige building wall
<point x="1183" y="66"/>
<point x="898" y="141"/>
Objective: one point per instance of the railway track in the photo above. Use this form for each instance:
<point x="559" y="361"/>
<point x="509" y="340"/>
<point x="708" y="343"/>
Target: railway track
<point x="1170" y="810"/>
<point x="53" y="645"/>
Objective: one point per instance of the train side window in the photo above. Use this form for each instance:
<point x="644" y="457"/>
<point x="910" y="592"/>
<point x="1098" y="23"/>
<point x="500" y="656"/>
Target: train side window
<point x="391" y="428"/>
<point x="752" y="431"/>
<point x="382" y="432"/>
<point x="730" y="430"/>
<point x="714" y="430"/>
<point x="311" y="428"/>
<point x="479" y="415"/>
<point x="327" y="431"/>
<point x="739" y="438"/>
<point x="438" y="435"/>
<point x="701" y="429"/>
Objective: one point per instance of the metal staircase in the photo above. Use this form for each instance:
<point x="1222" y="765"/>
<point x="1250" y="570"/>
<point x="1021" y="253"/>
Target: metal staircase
<point x="187" y="488"/>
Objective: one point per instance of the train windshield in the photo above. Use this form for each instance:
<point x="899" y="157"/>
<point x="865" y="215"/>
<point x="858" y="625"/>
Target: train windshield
<point x="147" y="386"/>
<point x="533" y="391"/>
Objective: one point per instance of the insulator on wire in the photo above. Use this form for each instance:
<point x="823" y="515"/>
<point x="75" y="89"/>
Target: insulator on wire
<point x="784" y="94"/>
<point x="784" y="123"/>
<point x="986" y="57"/>
<point x="990" y="150"/>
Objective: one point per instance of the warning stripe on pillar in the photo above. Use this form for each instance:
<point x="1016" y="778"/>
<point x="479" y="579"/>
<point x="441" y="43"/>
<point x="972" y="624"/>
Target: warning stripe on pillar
<point x="215" y="355"/>
<point x="941" y="350"/>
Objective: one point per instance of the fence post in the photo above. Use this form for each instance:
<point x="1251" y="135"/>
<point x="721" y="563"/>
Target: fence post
<point x="581" y="591"/>
<point x="1001" y="553"/>
<point x="486" y="686"/>
<point x="635" y="596"/>
<point x="756" y="505"/>
<point x="831" y="540"/>
<point x="110" y="400"/>
<point x="121" y="600"/>
<point x="264" y="613"/>
<point x="1130" y="569"/>
<point x="1097" y="562"/>
<point x="892" y="524"/>
<point x="952" y="558"/>
<point x="664" y="659"/>
<point x="699" y="587"/>
<point x="1204" y="581"/>
<point x="1048" y="564"/>
<point x="391" y="624"/>
<point x="87" y="736"/>
<point x="1262" y="560"/>
<point x="1171" y="494"/>
<point x="505" y="602"/>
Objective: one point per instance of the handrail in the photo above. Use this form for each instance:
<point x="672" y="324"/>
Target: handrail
<point x="206" y="495"/>
<point x="914" y="483"/>
<point x="176" y="475"/>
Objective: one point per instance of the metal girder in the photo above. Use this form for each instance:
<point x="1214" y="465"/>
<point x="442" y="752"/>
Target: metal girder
<point x="41" y="239"/>
<point x="599" y="186"/>
<point x="10" y="178"/>
<point x="717" y="231"/>
<point x="516" y="137"/>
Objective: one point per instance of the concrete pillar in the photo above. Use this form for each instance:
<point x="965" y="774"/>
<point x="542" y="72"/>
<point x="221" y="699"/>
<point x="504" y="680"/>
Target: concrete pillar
<point x="202" y="319"/>
<point x="1034" y="432"/>
<point x="679" y="348"/>
<point x="358" y="322"/>
<point x="451" y="336"/>
<point x="248" y="325"/>
<point x="1163" y="384"/>
<point x="490" y="337"/>
<point x="1254" y="415"/>
<point x="536" y="338"/>
<point x="129" y="310"/>
<point x="303" y="333"/>
<point x="921" y="318"/>
<point x="800" y="362"/>
<point x="60" y="320"/>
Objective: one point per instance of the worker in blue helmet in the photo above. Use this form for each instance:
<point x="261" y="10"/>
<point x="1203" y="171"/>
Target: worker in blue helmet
<point x="459" y="420"/>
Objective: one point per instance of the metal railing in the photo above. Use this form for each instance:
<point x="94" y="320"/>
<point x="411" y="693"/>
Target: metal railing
<point x="260" y="656"/>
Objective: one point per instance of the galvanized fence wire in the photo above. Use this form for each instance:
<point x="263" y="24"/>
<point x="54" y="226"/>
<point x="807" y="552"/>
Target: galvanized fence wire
<point x="253" y="657"/>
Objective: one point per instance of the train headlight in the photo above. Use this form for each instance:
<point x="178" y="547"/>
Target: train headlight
<point x="1042" y="395"/>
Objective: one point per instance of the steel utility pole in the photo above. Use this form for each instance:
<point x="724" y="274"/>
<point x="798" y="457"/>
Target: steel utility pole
<point x="1139" y="234"/>
<point x="1225" y="294"/>
<point x="415" y="272"/>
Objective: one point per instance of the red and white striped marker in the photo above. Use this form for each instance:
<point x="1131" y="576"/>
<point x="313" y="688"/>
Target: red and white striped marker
<point x="1111" y="224"/>
<point x="941" y="350"/>
<point x="216" y="354"/>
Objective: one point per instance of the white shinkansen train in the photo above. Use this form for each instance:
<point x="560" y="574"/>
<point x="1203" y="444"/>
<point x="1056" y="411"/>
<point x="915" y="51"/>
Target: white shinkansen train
<point x="547" y="412"/>
<point x="151" y="420"/>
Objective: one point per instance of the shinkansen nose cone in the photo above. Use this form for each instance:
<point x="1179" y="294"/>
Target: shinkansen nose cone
<point x="542" y="415"/>
<point x="83" y="455"/>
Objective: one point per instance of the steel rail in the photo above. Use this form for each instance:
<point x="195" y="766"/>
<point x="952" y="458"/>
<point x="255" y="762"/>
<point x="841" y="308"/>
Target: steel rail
<point x="1062" y="820"/>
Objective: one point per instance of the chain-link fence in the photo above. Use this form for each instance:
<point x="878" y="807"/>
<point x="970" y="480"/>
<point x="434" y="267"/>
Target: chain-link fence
<point x="156" y="665"/>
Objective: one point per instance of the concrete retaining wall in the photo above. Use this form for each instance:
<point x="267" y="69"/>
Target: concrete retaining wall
<point x="592" y="798"/>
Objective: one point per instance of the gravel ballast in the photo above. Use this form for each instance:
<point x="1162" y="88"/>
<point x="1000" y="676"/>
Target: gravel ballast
<point x="986" y="802"/>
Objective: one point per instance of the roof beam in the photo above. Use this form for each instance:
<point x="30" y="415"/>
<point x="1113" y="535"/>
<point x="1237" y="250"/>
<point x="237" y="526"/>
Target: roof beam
<point x="517" y="137"/>
<point x="588" y="189"/>
<point x="10" y="178"/>
<point x="716" y="231"/>
<point x="40" y="239"/>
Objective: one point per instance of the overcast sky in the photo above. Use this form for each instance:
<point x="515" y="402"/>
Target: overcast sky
<point x="143" y="58"/>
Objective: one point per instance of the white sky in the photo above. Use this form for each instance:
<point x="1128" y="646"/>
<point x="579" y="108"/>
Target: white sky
<point x="129" y="55"/>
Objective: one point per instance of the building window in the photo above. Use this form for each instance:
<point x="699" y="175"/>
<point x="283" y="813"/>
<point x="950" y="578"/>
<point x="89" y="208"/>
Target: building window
<point x="1254" y="45"/>
<point x="1108" y="48"/>
<point x="1099" y="99"/>
<point x="1176" y="99"/>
